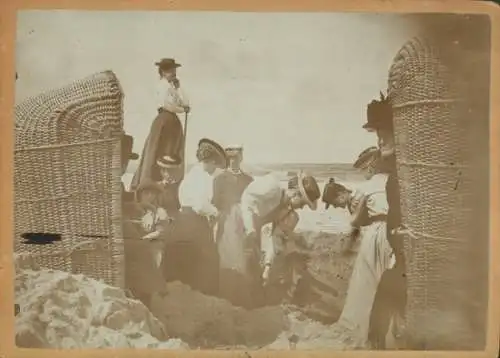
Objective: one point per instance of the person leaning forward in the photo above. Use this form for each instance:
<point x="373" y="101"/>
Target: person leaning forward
<point x="166" y="137"/>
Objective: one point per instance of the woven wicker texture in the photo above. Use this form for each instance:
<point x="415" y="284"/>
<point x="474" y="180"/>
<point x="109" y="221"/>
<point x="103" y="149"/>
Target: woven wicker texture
<point x="436" y="184"/>
<point x="67" y="170"/>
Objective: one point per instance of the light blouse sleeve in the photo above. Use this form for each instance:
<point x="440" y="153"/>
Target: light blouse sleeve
<point x="196" y="191"/>
<point x="256" y="197"/>
<point x="168" y="98"/>
<point x="377" y="204"/>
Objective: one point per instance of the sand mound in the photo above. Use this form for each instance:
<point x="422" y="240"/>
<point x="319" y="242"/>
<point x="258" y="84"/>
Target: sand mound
<point x="61" y="310"/>
<point x="209" y="322"/>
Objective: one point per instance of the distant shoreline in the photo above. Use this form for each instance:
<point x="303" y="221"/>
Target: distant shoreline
<point x="277" y="166"/>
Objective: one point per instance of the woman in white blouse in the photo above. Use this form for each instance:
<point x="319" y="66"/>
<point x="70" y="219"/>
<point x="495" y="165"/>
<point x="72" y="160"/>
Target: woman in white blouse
<point x="191" y="255"/>
<point x="166" y="136"/>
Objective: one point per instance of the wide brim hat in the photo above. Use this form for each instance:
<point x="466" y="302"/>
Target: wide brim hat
<point x="366" y="157"/>
<point x="309" y="189"/>
<point x="379" y="114"/>
<point x="169" y="161"/>
<point x="167" y="64"/>
<point x="147" y="185"/>
<point x="214" y="147"/>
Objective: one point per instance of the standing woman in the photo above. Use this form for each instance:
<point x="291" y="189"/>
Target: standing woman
<point x="368" y="207"/>
<point x="166" y="136"/>
<point x="191" y="254"/>
<point x="390" y="301"/>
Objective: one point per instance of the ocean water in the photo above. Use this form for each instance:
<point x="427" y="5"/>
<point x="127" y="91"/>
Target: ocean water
<point x="321" y="220"/>
<point x="322" y="172"/>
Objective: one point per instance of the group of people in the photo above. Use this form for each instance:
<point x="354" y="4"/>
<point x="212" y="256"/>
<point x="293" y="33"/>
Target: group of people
<point x="221" y="231"/>
<point x="215" y="228"/>
<point x="376" y="298"/>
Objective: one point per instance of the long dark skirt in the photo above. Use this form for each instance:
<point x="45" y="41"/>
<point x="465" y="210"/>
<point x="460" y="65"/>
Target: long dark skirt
<point x="142" y="277"/>
<point x="165" y="138"/>
<point x="191" y="254"/>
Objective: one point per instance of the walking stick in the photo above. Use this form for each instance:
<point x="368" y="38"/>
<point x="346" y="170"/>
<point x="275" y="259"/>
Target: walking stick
<point x="184" y="144"/>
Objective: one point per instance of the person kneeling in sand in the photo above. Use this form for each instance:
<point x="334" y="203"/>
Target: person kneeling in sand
<point x="144" y="243"/>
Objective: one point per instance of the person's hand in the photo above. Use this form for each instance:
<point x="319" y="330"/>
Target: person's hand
<point x="147" y="222"/>
<point x="187" y="109"/>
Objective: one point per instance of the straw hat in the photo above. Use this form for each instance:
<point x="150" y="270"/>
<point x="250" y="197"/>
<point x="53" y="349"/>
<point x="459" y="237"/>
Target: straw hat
<point x="309" y="189"/>
<point x="213" y="149"/>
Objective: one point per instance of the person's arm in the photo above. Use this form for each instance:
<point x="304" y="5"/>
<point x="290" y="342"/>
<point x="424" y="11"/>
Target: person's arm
<point x="218" y="197"/>
<point x="248" y="208"/>
<point x="194" y="192"/>
<point x="171" y="103"/>
<point x="184" y="99"/>
<point x="159" y="226"/>
<point x="358" y="212"/>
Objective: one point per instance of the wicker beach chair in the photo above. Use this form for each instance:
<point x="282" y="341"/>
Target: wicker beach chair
<point x="437" y="189"/>
<point x="67" y="170"/>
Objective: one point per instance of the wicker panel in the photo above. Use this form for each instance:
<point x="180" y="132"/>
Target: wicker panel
<point x="436" y="183"/>
<point x="67" y="169"/>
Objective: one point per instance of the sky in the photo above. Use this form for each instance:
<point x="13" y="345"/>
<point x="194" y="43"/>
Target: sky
<point x="289" y="87"/>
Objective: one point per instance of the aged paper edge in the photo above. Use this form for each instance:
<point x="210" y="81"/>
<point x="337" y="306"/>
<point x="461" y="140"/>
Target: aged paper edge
<point x="8" y="10"/>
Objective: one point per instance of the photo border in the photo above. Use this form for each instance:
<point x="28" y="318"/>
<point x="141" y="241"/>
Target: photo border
<point x="8" y="10"/>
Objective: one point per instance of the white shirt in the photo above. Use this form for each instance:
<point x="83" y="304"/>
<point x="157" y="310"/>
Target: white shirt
<point x="171" y="98"/>
<point x="196" y="191"/>
<point x="259" y="198"/>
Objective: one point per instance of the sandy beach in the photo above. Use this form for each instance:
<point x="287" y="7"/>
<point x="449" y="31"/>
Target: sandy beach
<point x="62" y="310"/>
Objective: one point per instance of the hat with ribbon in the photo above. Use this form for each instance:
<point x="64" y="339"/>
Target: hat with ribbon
<point x="308" y="187"/>
<point x="209" y="149"/>
<point x="379" y="114"/>
<point x="167" y="64"/>
<point x="367" y="157"/>
<point x="169" y="161"/>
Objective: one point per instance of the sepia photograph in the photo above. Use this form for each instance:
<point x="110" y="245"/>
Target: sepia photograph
<point x="216" y="180"/>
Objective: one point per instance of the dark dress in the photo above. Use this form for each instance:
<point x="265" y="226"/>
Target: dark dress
<point x="142" y="278"/>
<point x="165" y="138"/>
<point x="191" y="254"/>
<point x="169" y="198"/>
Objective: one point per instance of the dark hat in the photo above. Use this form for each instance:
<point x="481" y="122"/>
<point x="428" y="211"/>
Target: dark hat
<point x="208" y="148"/>
<point x="167" y="64"/>
<point x="147" y="185"/>
<point x="169" y="161"/>
<point x="366" y="157"/>
<point x="127" y="145"/>
<point x="309" y="189"/>
<point x="331" y="192"/>
<point x="379" y="114"/>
